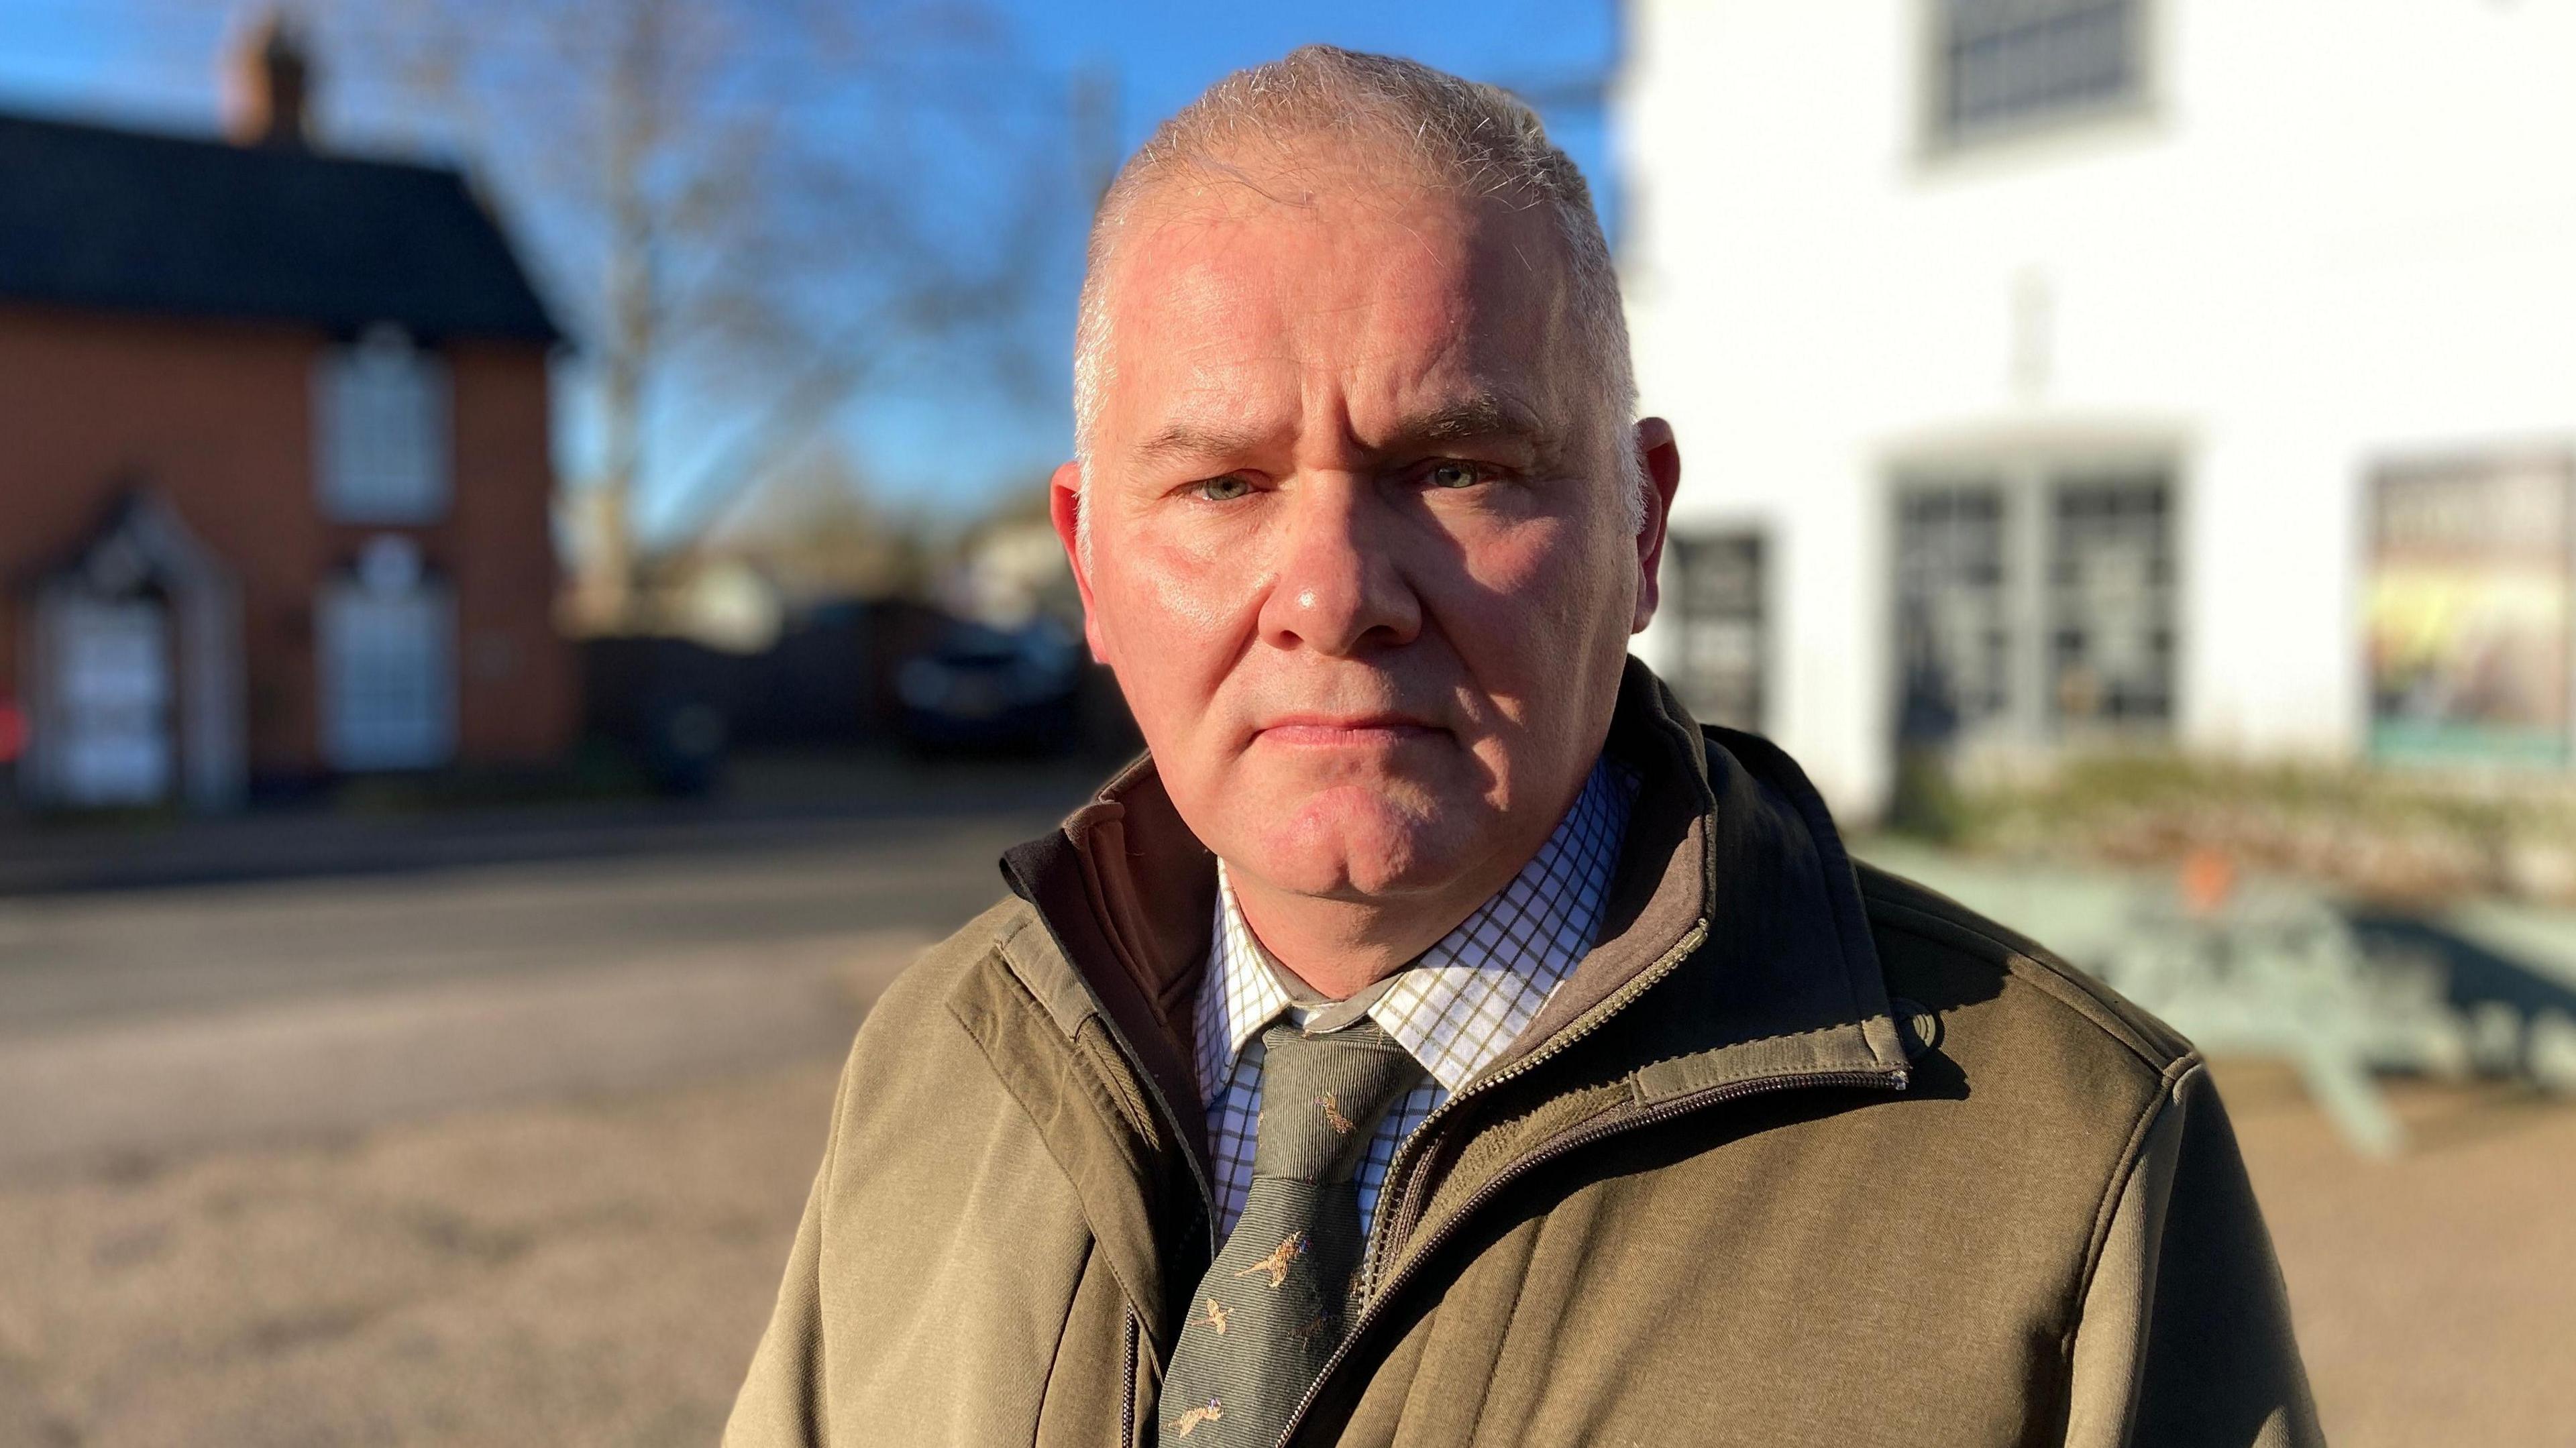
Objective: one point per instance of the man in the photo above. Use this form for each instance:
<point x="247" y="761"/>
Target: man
<point x="1438" y="1038"/>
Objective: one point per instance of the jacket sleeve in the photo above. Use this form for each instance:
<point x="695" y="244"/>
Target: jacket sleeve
<point x="2185" y="1337"/>
<point x="781" y="1402"/>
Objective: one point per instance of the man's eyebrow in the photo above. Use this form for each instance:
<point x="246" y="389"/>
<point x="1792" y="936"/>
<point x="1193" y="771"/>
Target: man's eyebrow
<point x="1485" y="415"/>
<point x="1197" y="442"/>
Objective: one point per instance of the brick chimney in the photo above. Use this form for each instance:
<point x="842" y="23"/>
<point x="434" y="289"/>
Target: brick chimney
<point x="267" y="84"/>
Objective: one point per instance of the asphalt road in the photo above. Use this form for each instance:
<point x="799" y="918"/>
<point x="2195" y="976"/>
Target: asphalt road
<point x="139" y="1023"/>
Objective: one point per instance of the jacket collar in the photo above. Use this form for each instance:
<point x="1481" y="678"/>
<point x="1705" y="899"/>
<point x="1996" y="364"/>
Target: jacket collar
<point x="1732" y="865"/>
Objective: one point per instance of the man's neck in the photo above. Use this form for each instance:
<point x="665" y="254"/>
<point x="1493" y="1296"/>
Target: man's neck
<point x="1341" y="947"/>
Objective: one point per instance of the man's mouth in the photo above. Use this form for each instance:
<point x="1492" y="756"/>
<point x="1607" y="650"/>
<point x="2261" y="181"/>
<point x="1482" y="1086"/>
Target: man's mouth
<point x="1330" y="731"/>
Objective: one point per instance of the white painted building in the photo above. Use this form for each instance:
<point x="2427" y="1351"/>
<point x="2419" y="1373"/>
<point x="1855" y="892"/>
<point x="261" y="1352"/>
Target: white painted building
<point x="2189" y="370"/>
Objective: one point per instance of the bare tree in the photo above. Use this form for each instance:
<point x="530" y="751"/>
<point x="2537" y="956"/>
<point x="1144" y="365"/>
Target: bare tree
<point x="819" y="532"/>
<point x="753" y="210"/>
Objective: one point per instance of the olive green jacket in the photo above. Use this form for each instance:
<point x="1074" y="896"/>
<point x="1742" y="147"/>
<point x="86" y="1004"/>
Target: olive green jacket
<point x="1798" y="1155"/>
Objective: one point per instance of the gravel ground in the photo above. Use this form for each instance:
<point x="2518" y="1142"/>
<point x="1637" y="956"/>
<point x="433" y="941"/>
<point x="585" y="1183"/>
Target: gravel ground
<point x="596" y="1271"/>
<point x="580" y="1273"/>
<point x="2435" y="1294"/>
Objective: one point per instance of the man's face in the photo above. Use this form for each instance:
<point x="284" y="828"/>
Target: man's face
<point x="1359" y="555"/>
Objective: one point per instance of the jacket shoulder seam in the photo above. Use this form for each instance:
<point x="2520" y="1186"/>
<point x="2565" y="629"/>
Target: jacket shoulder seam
<point x="971" y="944"/>
<point x="1962" y="929"/>
<point x="2123" y="1171"/>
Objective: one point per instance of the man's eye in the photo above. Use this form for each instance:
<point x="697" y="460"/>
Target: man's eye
<point x="1453" y="475"/>
<point x="1225" y="489"/>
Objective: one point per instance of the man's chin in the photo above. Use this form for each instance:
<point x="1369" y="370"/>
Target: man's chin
<point x="1355" y="843"/>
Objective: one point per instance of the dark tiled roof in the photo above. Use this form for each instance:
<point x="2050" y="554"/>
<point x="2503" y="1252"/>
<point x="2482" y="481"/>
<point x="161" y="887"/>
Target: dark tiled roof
<point x="92" y="216"/>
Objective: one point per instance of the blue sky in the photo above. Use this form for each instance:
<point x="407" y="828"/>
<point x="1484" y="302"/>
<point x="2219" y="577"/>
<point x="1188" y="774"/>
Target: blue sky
<point x="947" y="446"/>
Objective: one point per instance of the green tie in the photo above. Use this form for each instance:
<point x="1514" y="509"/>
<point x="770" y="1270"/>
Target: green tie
<point x="1270" y="1311"/>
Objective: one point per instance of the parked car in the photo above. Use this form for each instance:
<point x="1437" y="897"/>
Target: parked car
<point x="980" y="687"/>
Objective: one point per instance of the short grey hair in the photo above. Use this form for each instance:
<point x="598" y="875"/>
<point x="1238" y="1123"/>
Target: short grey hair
<point x="1476" y="139"/>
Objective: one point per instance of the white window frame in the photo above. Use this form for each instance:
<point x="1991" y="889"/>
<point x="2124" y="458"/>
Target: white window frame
<point x="1943" y="130"/>
<point x="2033" y="605"/>
<point x="1729" y="634"/>
<point x="383" y="415"/>
<point x="114" y="683"/>
<point x="386" y="712"/>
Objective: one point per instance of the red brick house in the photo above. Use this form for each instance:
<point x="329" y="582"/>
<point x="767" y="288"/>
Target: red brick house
<point x="274" y="466"/>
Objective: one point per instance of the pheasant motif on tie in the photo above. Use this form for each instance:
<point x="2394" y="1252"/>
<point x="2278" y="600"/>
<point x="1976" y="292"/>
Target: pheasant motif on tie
<point x="1333" y="1116"/>
<point x="1274" y="1299"/>
<point x="1208" y="1412"/>
<point x="1276" y="1264"/>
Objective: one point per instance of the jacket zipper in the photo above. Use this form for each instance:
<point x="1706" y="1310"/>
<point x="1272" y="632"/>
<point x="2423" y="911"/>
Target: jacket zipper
<point x="1379" y="1293"/>
<point x="1127" y="1401"/>
<point x="1409" y="1213"/>
<point x="1371" y="1258"/>
<point x="1690" y="941"/>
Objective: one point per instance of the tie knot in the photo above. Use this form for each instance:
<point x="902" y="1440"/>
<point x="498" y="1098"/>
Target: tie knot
<point x="1321" y="1097"/>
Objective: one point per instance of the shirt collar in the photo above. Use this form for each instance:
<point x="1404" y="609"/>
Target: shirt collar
<point x="1470" y="995"/>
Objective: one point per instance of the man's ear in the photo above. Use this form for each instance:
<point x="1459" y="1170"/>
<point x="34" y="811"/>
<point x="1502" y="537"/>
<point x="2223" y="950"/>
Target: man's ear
<point x="1660" y="459"/>
<point x="1064" y="509"/>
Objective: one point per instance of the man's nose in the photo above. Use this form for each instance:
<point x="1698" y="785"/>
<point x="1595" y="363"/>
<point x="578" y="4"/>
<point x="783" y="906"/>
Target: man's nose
<point x="1339" y="589"/>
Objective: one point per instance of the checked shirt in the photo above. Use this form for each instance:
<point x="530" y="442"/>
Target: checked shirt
<point x="1455" y="1008"/>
